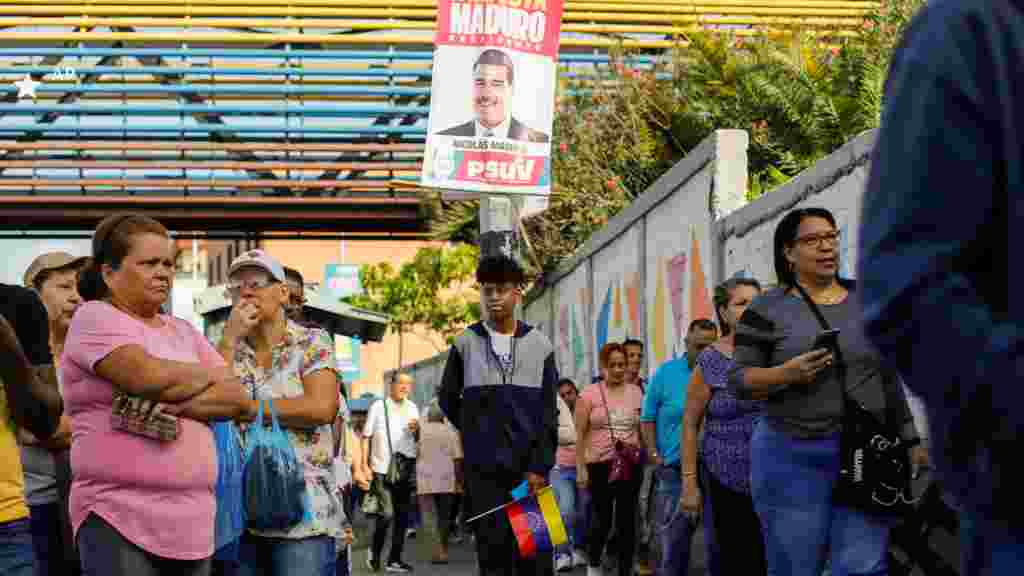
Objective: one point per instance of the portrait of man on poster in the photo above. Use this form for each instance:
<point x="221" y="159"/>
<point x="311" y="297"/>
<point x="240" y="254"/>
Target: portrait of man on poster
<point x="493" y="81"/>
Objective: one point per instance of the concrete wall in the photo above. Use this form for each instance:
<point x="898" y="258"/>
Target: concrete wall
<point x="653" y="268"/>
<point x="650" y="270"/>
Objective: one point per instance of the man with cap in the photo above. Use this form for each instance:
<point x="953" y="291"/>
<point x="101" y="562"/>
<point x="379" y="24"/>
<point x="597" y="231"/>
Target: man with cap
<point x="46" y="464"/>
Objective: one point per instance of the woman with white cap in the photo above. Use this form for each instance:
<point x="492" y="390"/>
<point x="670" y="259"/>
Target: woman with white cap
<point x="46" y="466"/>
<point x="277" y="358"/>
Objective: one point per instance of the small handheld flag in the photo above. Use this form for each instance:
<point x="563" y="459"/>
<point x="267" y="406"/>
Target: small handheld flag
<point x="536" y="523"/>
<point x="521" y="491"/>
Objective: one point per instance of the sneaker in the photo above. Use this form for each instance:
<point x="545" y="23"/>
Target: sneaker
<point x="371" y="564"/>
<point x="579" y="558"/>
<point x="410" y="533"/>
<point x="594" y="571"/>
<point x="398" y="566"/>
<point x="563" y="563"/>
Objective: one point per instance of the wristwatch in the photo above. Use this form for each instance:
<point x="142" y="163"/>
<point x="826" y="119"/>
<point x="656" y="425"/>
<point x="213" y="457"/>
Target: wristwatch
<point x="653" y="454"/>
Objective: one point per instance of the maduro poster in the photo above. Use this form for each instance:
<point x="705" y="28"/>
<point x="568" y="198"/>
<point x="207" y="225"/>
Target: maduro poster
<point x="492" y="96"/>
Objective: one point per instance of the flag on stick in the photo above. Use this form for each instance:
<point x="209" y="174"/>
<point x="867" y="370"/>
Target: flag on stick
<point x="536" y="522"/>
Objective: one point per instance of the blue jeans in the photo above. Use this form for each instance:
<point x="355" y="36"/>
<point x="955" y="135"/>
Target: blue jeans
<point x="987" y="550"/>
<point x="259" y="556"/>
<point x="47" y="539"/>
<point x="671" y="530"/>
<point x="573" y="506"/>
<point x="791" y="484"/>
<point x="16" y="555"/>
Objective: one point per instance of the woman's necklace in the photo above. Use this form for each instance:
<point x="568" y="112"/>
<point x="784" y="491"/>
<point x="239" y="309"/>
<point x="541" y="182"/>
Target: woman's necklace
<point x="834" y="294"/>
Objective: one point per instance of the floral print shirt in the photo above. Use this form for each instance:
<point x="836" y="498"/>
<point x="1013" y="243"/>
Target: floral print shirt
<point x="305" y="350"/>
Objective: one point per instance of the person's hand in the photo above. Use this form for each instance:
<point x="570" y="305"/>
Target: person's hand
<point x="361" y="477"/>
<point x="804" y="369"/>
<point x="919" y="460"/>
<point x="244" y="317"/>
<point x="535" y="481"/>
<point x="414" y="426"/>
<point x="655" y="459"/>
<point x="582" y="479"/>
<point x="690" y="502"/>
<point x="347" y="536"/>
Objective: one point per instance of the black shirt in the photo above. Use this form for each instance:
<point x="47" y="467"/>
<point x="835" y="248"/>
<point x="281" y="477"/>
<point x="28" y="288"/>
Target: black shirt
<point x="25" y="312"/>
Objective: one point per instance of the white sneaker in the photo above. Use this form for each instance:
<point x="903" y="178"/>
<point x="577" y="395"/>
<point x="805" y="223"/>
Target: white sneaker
<point x="563" y="563"/>
<point x="594" y="571"/>
<point x="579" y="558"/>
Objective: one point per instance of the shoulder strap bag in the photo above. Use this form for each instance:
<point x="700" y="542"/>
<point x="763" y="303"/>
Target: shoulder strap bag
<point x="874" y="474"/>
<point x="626" y="456"/>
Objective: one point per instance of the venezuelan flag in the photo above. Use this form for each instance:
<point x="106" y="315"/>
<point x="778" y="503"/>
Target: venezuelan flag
<point x="537" y="523"/>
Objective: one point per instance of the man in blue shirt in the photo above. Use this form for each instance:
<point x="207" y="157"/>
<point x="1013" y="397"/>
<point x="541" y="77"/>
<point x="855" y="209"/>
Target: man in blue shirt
<point x="942" y="223"/>
<point x="660" y="422"/>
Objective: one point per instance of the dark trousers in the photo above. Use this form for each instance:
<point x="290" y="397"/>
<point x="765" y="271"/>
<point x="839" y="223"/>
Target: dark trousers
<point x="496" y="548"/>
<point x="106" y="553"/>
<point x="401" y="500"/>
<point x="604" y="497"/>
<point x="738" y="541"/>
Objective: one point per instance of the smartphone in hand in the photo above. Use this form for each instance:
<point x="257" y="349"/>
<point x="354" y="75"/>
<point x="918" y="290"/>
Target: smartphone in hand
<point x="827" y="339"/>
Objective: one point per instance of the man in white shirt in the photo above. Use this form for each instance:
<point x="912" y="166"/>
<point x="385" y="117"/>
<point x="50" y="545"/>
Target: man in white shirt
<point x="399" y="416"/>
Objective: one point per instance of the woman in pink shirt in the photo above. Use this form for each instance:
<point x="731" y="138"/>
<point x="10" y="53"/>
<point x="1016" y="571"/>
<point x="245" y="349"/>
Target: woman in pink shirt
<point x="138" y="385"/>
<point x="607" y="420"/>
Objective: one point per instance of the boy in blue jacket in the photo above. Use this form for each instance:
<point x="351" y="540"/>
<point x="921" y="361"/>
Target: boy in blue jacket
<point x="498" y="389"/>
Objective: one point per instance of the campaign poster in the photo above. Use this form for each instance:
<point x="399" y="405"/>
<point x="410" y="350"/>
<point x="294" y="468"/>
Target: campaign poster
<point x="492" y="97"/>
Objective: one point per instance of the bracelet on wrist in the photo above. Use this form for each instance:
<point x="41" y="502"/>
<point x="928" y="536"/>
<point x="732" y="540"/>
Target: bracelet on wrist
<point x="689" y="474"/>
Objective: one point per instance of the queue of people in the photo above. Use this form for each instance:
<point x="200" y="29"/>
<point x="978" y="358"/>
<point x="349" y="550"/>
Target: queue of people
<point x="745" y="431"/>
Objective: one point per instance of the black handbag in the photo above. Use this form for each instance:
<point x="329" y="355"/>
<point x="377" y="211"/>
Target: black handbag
<point x="401" y="468"/>
<point x="874" y="471"/>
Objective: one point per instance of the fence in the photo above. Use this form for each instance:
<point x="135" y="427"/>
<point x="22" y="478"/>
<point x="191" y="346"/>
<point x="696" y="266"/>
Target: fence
<point x="652" y="269"/>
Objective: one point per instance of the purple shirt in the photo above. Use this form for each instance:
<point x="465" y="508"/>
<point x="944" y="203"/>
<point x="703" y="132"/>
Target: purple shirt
<point x="728" y="425"/>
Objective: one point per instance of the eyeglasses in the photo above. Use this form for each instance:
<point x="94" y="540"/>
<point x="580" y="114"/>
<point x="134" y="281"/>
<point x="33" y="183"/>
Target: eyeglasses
<point x="816" y="240"/>
<point x="235" y="288"/>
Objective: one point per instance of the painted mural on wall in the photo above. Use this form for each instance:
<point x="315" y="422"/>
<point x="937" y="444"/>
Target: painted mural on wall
<point x="571" y="348"/>
<point x="678" y="271"/>
<point x="617" y="289"/>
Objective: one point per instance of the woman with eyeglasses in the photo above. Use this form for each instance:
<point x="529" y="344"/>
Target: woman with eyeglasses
<point x="277" y="358"/>
<point x="794" y="449"/>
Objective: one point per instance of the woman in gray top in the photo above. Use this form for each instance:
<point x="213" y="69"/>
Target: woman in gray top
<point x="795" y="446"/>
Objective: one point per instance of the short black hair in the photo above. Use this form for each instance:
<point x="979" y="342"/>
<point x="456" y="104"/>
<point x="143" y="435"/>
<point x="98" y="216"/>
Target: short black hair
<point x="633" y="342"/>
<point x="702" y="324"/>
<point x="568" y="381"/>
<point x="293" y="274"/>
<point x="495" y="57"/>
<point x="499" y="269"/>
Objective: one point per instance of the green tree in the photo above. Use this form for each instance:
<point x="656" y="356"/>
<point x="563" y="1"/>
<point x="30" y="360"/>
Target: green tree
<point x="799" y="96"/>
<point x="433" y="291"/>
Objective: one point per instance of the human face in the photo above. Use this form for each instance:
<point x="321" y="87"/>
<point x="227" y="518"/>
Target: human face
<point x="568" y="394"/>
<point x="255" y="286"/>
<point x="500" y="299"/>
<point x="401" y="387"/>
<point x="616" y="368"/>
<point x="144" y="280"/>
<point x="59" y="293"/>
<point x="696" y="341"/>
<point x="491" y="91"/>
<point x="814" y="254"/>
<point x="296" y="298"/>
<point x="634" y="360"/>
<point x="739" y="300"/>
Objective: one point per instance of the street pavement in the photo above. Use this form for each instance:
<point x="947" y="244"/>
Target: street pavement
<point x="462" y="557"/>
